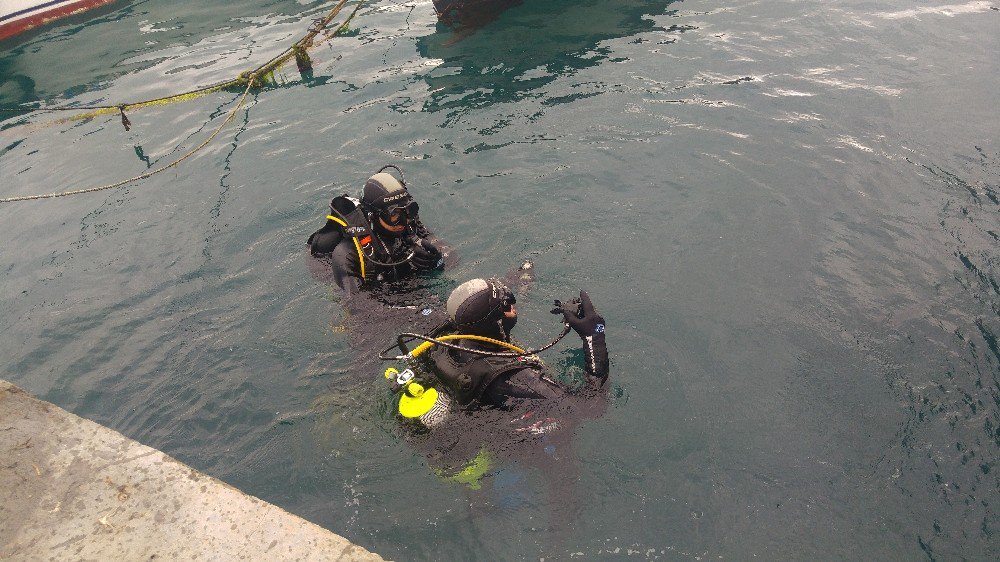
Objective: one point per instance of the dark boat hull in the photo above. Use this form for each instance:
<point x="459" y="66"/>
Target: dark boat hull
<point x="470" y="13"/>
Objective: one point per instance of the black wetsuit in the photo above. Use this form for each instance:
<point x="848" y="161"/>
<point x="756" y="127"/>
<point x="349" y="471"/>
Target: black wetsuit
<point x="504" y="381"/>
<point x="346" y="266"/>
<point x="340" y="251"/>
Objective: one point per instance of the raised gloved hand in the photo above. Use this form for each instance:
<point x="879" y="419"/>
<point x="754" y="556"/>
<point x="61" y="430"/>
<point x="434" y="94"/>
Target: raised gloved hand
<point x="425" y="255"/>
<point x="581" y="315"/>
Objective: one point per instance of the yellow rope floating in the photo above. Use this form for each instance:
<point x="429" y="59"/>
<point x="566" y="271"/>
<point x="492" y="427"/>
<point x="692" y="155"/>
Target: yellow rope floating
<point x="141" y="176"/>
<point x="251" y="79"/>
<point x="260" y="73"/>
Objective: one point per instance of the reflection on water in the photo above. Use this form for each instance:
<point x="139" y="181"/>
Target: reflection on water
<point x="47" y="63"/>
<point x="470" y="14"/>
<point x="528" y="47"/>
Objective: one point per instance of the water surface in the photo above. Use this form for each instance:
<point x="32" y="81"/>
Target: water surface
<point x="786" y="211"/>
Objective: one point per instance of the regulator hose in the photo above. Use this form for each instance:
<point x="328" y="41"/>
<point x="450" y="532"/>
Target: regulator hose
<point x="430" y="341"/>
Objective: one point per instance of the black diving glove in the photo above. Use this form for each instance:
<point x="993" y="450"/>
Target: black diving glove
<point x="581" y="315"/>
<point x="425" y="255"/>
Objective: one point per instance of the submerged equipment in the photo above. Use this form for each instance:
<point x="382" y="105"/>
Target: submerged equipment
<point x="472" y="472"/>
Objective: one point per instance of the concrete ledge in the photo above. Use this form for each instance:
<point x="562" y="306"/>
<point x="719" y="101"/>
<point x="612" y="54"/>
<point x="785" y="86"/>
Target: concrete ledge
<point x="71" y="489"/>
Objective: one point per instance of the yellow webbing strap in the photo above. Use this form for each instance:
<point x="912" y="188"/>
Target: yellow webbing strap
<point x="361" y="256"/>
<point x="427" y="344"/>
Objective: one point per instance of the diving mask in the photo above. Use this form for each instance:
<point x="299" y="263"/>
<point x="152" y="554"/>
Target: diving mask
<point x="395" y="215"/>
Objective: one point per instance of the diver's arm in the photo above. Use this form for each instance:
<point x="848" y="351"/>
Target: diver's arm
<point x="595" y="352"/>
<point x="449" y="257"/>
<point x="581" y="315"/>
<point x="444" y="256"/>
<point x="527" y="383"/>
<point x="427" y="256"/>
<point x="346" y="268"/>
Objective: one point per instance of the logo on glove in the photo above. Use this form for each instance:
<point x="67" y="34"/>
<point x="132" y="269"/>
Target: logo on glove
<point x="599" y="328"/>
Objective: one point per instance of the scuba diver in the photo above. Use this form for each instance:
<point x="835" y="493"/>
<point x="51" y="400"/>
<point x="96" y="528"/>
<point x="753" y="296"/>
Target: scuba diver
<point x="480" y="409"/>
<point x="486" y="308"/>
<point x="470" y="358"/>
<point x="378" y="238"/>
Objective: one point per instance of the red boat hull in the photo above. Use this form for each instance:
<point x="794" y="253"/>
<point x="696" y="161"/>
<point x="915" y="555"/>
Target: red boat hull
<point x="39" y="13"/>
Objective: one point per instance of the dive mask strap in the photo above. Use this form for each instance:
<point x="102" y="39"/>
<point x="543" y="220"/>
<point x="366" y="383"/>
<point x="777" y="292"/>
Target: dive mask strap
<point x="402" y="181"/>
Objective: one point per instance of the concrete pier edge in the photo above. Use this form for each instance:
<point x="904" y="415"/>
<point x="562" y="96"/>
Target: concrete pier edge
<point x="71" y="489"/>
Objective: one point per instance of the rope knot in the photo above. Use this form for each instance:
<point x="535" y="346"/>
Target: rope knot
<point x="302" y="60"/>
<point x="250" y="78"/>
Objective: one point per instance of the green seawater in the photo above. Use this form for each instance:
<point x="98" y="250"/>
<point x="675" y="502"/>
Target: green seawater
<point x="787" y="212"/>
